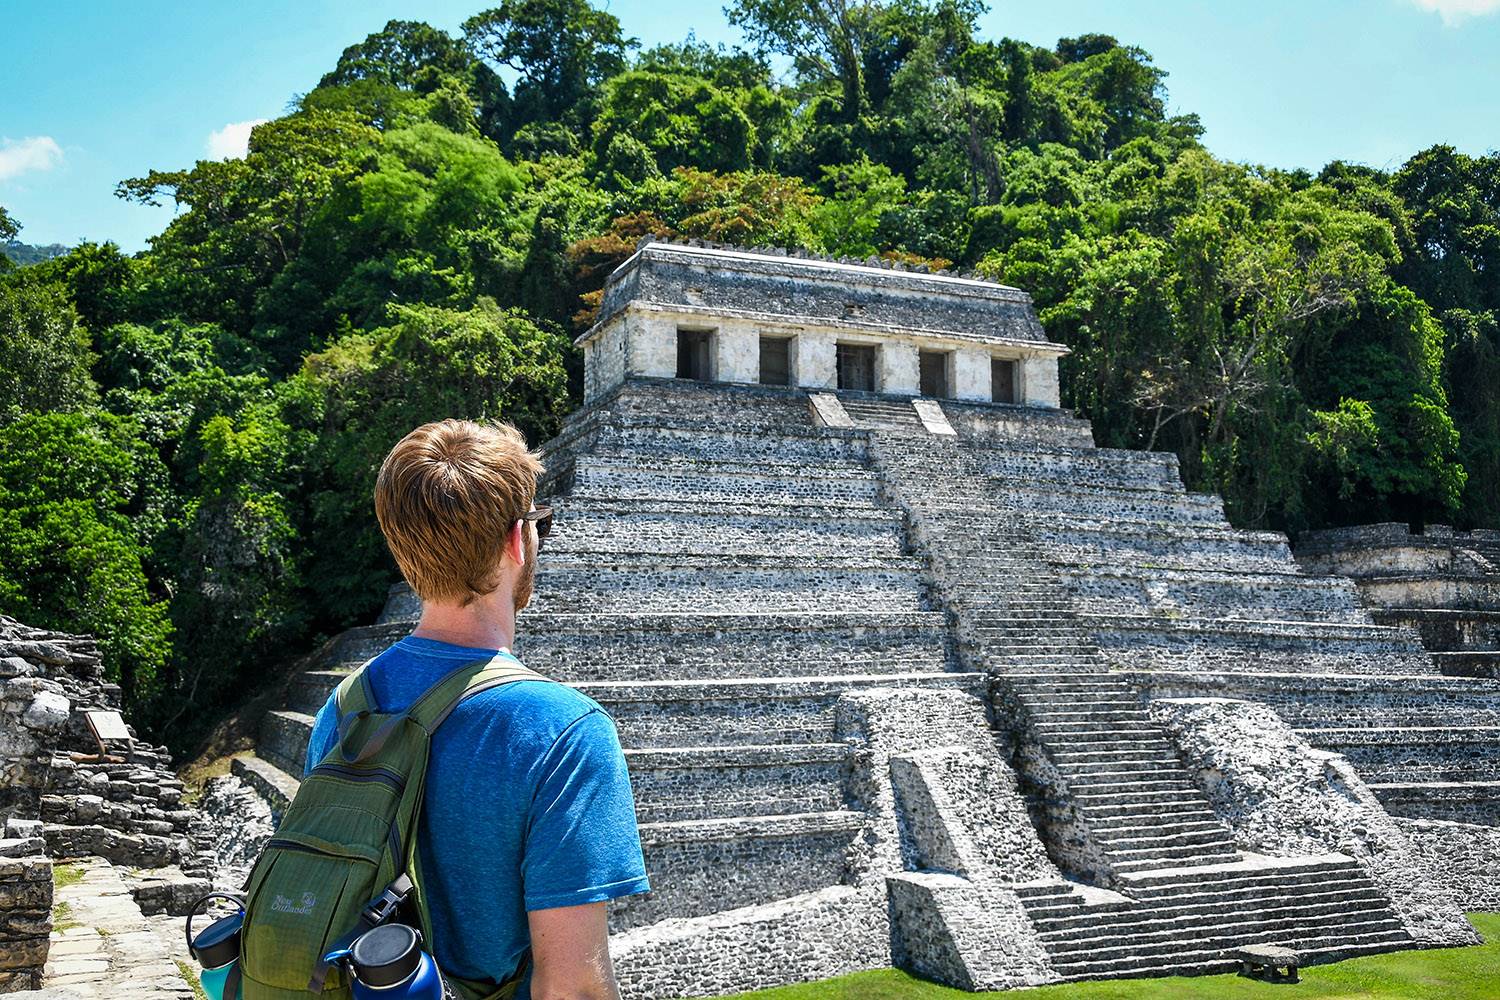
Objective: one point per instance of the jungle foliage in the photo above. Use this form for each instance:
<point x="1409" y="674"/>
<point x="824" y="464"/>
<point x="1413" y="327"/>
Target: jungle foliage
<point x="189" y="435"/>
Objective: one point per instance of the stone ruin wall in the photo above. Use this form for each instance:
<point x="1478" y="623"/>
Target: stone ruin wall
<point x="1396" y="568"/>
<point x="58" y="804"/>
<point x="25" y="914"/>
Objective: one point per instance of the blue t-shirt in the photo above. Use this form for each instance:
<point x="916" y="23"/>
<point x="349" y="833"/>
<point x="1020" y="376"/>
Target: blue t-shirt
<point x="527" y="806"/>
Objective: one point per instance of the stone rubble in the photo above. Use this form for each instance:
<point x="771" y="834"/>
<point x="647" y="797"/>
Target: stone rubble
<point x="129" y="811"/>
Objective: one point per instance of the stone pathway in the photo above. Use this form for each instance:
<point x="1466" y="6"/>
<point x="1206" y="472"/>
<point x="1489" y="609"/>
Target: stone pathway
<point x="113" y="952"/>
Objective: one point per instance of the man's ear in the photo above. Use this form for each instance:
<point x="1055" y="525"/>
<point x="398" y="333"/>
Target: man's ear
<point x="515" y="543"/>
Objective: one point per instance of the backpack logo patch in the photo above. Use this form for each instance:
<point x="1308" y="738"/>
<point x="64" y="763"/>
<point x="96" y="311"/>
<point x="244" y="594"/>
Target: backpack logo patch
<point x="283" y="905"/>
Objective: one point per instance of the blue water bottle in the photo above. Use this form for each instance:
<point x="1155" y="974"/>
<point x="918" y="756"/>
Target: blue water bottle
<point x="217" y="948"/>
<point x="388" y="963"/>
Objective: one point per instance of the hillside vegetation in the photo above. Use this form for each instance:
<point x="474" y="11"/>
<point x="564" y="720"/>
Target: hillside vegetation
<point x="188" y="436"/>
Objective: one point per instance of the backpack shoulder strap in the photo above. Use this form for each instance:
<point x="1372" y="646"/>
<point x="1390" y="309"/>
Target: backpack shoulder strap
<point x="354" y="693"/>
<point x="430" y="710"/>
<point x="432" y="707"/>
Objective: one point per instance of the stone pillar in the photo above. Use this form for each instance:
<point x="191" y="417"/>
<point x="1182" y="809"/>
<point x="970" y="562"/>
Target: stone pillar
<point x="816" y="367"/>
<point x="971" y="374"/>
<point x="899" y="370"/>
<point x="651" y="346"/>
<point x="1039" y="382"/>
<point x="737" y="346"/>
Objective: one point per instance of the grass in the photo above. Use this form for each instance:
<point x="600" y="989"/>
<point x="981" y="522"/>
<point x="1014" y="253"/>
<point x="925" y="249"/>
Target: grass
<point x="1438" y="974"/>
<point x="66" y="875"/>
<point x="62" y="918"/>
<point x="191" y="975"/>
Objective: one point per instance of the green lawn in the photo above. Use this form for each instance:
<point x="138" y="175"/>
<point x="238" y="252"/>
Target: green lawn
<point x="1442" y="974"/>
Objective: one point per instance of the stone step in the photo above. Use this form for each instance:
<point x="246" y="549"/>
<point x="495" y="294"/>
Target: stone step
<point x="1079" y="732"/>
<point x="1051" y="705"/>
<point x="283" y="740"/>
<point x="1138" y="917"/>
<point x="1150" y="781"/>
<point x="699" y="783"/>
<point x="1288" y="922"/>
<point x="1253" y="871"/>
<point x="1148" y="771"/>
<point x="687" y="589"/>
<point x="848" y="493"/>
<point x="702" y="712"/>
<point x="1166" y="835"/>
<point x="1165" y="856"/>
<point x="1074" y="761"/>
<point x="1127" y="828"/>
<point x="1211" y="960"/>
<point x="698" y="867"/>
<point x="1164" y="814"/>
<point x="1105" y="714"/>
<point x="1129" y="793"/>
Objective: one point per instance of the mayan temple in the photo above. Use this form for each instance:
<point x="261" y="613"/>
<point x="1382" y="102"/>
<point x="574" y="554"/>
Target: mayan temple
<point x="909" y="672"/>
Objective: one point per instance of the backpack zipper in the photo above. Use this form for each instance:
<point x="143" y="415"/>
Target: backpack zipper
<point x="390" y="779"/>
<point x="292" y="845"/>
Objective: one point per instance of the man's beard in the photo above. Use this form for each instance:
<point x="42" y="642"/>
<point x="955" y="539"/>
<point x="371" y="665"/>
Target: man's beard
<point x="526" y="581"/>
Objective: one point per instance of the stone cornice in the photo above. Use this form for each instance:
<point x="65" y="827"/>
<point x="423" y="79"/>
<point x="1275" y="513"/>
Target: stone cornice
<point x="780" y="323"/>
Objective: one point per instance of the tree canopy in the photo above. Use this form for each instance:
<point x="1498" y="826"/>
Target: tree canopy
<point x="188" y="435"/>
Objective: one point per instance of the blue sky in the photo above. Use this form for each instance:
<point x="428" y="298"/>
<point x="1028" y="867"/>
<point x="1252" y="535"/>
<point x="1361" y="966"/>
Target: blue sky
<point x="99" y="90"/>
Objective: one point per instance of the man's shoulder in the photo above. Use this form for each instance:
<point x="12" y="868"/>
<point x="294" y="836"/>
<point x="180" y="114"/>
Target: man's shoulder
<point x="541" y="709"/>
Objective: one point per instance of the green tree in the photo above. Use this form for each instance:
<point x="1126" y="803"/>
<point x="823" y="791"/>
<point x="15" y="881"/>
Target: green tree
<point x="44" y="352"/>
<point x="80" y="505"/>
<point x="683" y="121"/>
<point x="1454" y="201"/>
<point x="247" y="219"/>
<point x="562" y="49"/>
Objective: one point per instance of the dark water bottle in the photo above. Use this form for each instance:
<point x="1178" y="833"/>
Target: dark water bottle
<point x="217" y="948"/>
<point x="388" y="963"/>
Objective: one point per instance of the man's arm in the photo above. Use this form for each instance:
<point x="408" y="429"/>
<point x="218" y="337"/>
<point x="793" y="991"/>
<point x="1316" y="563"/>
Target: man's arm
<point x="570" y="954"/>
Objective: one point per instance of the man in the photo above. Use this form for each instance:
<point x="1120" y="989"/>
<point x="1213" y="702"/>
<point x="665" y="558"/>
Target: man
<point x="528" y="824"/>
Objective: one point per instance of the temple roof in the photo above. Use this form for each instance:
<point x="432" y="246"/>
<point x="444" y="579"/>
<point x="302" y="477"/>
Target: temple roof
<point x="792" y="287"/>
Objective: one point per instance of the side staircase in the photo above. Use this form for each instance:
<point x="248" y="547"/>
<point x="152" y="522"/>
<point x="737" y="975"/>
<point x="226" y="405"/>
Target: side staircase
<point x="1117" y="809"/>
<point x="1180" y="921"/>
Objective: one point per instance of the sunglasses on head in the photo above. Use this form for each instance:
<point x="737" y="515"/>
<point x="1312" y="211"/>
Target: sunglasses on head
<point x="541" y="518"/>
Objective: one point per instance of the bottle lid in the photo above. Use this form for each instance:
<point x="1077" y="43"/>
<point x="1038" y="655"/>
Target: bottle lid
<point x="218" y="944"/>
<point x="386" y="955"/>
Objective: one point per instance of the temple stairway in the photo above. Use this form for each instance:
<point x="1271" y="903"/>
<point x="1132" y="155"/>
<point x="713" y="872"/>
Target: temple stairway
<point x="1032" y="546"/>
<point x="715" y="587"/>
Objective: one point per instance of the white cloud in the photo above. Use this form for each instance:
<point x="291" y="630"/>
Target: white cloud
<point x="233" y="140"/>
<point x="1456" y="11"/>
<point x="37" y="152"/>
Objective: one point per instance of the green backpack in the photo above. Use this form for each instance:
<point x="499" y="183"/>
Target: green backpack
<point x="347" y="837"/>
